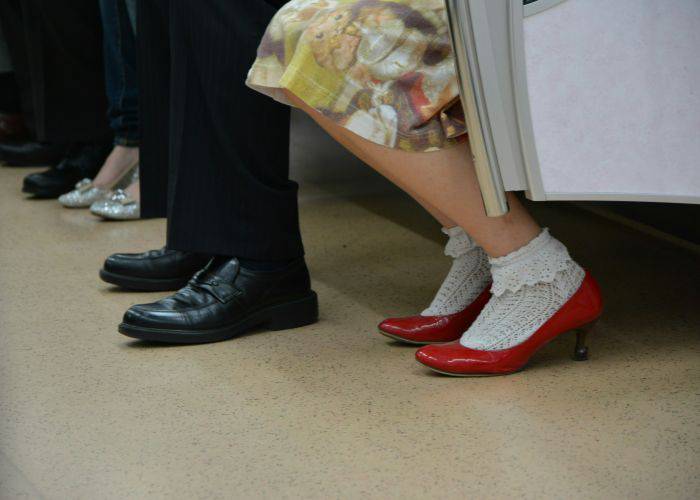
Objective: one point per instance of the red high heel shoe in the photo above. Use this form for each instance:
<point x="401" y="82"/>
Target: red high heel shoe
<point x="579" y="314"/>
<point x="424" y="330"/>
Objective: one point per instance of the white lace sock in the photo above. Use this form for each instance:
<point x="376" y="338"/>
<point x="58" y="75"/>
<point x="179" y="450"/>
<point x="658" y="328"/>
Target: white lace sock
<point x="529" y="286"/>
<point x="468" y="277"/>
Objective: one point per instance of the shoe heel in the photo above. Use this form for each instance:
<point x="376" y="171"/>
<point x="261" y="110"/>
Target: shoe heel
<point x="581" y="349"/>
<point x="294" y="314"/>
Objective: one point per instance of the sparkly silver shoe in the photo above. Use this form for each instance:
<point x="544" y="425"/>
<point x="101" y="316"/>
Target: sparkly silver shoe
<point x="119" y="206"/>
<point x="86" y="193"/>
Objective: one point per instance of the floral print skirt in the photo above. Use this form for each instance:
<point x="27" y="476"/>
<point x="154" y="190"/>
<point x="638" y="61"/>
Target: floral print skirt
<point x="383" y="69"/>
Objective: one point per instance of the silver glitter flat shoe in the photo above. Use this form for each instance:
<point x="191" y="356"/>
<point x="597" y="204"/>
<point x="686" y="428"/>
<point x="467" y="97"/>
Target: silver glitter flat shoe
<point x="86" y="193"/>
<point x="119" y="206"/>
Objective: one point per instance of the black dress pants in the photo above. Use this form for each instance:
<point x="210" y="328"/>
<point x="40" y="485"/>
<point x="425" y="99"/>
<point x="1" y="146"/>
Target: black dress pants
<point x="9" y="94"/>
<point x="56" y="51"/>
<point x="214" y="154"/>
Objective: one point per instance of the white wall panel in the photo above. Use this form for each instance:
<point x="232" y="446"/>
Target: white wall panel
<point x="615" y="97"/>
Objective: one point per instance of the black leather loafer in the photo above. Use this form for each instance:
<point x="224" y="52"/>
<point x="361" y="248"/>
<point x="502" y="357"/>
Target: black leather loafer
<point x="225" y="300"/>
<point x="83" y="161"/>
<point x="31" y="154"/>
<point x="153" y="271"/>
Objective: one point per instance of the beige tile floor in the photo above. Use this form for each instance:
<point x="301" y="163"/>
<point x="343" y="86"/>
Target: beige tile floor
<point x="335" y="410"/>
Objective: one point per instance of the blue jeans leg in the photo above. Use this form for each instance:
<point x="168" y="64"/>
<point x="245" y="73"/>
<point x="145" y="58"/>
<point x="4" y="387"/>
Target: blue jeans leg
<point x="120" y="71"/>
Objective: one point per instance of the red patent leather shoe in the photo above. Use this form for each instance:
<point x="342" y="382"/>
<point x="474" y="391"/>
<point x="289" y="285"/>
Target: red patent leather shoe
<point x="579" y="314"/>
<point x="424" y="330"/>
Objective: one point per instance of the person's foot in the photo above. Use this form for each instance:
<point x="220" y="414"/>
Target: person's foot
<point x="225" y="300"/>
<point x="426" y="330"/>
<point x="539" y="293"/>
<point x="153" y="271"/>
<point x="12" y="128"/>
<point x="118" y="172"/>
<point x="31" y="154"/>
<point x="83" y="161"/>
<point x="462" y="296"/>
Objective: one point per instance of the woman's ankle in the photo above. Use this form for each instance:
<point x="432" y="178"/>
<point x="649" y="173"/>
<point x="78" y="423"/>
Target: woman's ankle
<point x="119" y="163"/>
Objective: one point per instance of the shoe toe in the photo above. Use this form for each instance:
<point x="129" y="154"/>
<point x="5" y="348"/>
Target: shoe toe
<point x="118" y="263"/>
<point x="147" y="315"/>
<point x="446" y="358"/>
<point x="153" y="316"/>
<point x="393" y="326"/>
<point x="137" y="316"/>
<point x="429" y="356"/>
<point x="99" y="208"/>
<point x="33" y="181"/>
<point x="70" y="200"/>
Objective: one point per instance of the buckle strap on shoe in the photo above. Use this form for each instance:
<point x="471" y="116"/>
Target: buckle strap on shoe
<point x="223" y="292"/>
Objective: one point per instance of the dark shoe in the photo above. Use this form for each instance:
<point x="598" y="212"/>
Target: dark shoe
<point x="154" y="271"/>
<point x="12" y="128"/>
<point x="224" y="300"/>
<point x="31" y="154"/>
<point x="83" y="162"/>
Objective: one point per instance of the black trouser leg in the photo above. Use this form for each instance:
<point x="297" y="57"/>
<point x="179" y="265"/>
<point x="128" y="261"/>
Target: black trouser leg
<point x="9" y="91"/>
<point x="64" y="52"/>
<point x="9" y="94"/>
<point x="230" y="192"/>
<point x="11" y="19"/>
<point x="153" y="42"/>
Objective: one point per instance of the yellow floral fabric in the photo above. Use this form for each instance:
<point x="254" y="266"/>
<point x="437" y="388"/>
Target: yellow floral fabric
<point x="383" y="69"/>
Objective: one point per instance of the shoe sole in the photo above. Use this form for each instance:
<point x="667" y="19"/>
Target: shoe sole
<point x="469" y="375"/>
<point x="143" y="284"/>
<point x="408" y="342"/>
<point x="284" y="316"/>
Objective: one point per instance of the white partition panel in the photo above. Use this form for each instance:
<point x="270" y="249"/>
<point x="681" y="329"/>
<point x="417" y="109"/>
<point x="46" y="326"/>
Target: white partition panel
<point x="614" y="97"/>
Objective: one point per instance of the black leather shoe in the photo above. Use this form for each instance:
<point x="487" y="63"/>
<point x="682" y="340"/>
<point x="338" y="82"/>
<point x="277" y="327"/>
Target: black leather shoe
<point x="31" y="154"/>
<point x="83" y="161"/>
<point x="224" y="300"/>
<point x="154" y="271"/>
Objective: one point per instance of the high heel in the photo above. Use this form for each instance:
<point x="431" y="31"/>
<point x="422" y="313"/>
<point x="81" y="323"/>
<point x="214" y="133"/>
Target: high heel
<point x="579" y="314"/>
<point x="581" y="349"/>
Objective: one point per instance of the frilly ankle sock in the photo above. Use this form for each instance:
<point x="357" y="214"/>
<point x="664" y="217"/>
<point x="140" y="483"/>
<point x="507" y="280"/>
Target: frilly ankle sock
<point x="467" y="279"/>
<point x="529" y="286"/>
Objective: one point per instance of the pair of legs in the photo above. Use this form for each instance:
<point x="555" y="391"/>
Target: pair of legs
<point x="119" y="28"/>
<point x="56" y="52"/>
<point x="538" y="292"/>
<point x="444" y="183"/>
<point x="214" y="158"/>
<point x="119" y="169"/>
<point x="206" y="160"/>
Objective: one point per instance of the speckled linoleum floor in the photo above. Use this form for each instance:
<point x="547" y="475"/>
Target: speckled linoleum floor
<point x="335" y="410"/>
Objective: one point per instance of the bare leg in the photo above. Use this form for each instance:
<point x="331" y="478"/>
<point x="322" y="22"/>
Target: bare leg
<point x="439" y="216"/>
<point x="120" y="160"/>
<point x="445" y="183"/>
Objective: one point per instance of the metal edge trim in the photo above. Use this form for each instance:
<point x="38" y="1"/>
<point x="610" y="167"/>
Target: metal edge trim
<point x="636" y="197"/>
<point x="539" y="6"/>
<point x="459" y="14"/>
<point x="521" y="94"/>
